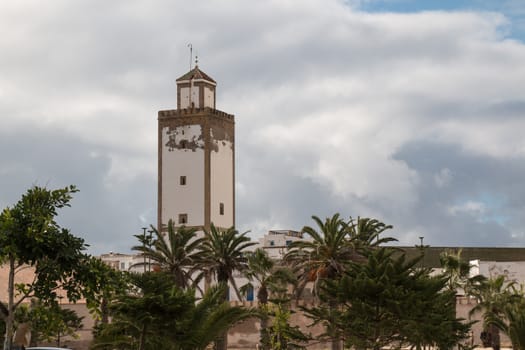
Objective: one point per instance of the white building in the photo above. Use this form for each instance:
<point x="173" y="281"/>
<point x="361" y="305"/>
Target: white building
<point x="276" y="242"/>
<point x="196" y="158"/>
<point x="512" y="270"/>
<point x="124" y="262"/>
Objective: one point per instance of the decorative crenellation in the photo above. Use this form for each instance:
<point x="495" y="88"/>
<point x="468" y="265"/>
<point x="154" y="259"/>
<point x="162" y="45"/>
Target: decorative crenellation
<point x="175" y="113"/>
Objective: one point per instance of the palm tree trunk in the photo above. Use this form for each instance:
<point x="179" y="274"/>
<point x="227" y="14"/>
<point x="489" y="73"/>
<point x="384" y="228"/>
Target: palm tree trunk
<point x="495" y="338"/>
<point x="263" y="333"/>
<point x="222" y="340"/>
<point x="262" y="297"/>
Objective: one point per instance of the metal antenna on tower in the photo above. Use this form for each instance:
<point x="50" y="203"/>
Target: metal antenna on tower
<point x="191" y="53"/>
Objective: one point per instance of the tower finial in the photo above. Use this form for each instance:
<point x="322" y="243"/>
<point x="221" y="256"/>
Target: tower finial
<point x="196" y="61"/>
<point x="191" y="53"/>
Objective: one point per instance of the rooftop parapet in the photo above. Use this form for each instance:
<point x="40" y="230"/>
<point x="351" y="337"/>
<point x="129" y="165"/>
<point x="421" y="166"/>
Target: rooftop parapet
<point x="171" y="113"/>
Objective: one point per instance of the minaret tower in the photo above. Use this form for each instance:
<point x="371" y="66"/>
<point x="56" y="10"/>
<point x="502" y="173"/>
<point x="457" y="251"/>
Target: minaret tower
<point x="196" y="158"/>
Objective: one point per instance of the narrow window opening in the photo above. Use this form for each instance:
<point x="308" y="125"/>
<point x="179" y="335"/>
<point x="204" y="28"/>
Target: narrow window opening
<point x="221" y="208"/>
<point x="183" y="218"/>
<point x="183" y="144"/>
<point x="183" y="180"/>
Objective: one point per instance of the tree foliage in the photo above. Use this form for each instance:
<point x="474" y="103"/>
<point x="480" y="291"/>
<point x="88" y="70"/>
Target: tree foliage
<point x="31" y="237"/>
<point x="272" y="281"/>
<point x="494" y="295"/>
<point x="512" y="322"/>
<point x="154" y="313"/>
<point x="455" y="269"/>
<point x="334" y="244"/>
<point x="388" y="301"/>
<point x="177" y="253"/>
<point x="223" y="252"/>
<point x="49" y="323"/>
<point x="281" y="334"/>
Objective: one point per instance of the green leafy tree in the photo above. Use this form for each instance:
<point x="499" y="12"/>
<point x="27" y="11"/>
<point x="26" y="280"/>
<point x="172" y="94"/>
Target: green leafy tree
<point x="49" y="323"/>
<point x="30" y="236"/>
<point x="178" y="253"/>
<point x="101" y="285"/>
<point x="272" y="281"/>
<point x="389" y="301"/>
<point x="156" y="314"/>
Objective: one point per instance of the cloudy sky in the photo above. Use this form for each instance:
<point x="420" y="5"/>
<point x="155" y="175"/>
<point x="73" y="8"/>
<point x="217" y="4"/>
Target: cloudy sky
<point x="379" y="108"/>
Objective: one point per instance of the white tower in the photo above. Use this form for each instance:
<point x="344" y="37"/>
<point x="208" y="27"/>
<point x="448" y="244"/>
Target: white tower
<point x="196" y="158"/>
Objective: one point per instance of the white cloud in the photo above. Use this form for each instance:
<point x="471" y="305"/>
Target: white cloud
<point x="322" y="92"/>
<point x="469" y="207"/>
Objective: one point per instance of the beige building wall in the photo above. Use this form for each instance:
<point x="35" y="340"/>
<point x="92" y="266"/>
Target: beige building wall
<point x="185" y="198"/>
<point x="221" y="177"/>
<point x="25" y="274"/>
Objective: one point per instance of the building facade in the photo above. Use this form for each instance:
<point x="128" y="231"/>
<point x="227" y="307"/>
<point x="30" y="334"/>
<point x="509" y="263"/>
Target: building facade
<point x="196" y="158"/>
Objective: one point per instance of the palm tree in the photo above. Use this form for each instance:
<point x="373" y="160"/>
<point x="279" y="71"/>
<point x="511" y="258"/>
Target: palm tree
<point x="177" y="253"/>
<point x="223" y="252"/>
<point x="271" y="279"/>
<point x="325" y="256"/>
<point x="455" y="269"/>
<point x="365" y="233"/>
<point x="210" y="319"/>
<point x="513" y="323"/>
<point x="493" y="295"/>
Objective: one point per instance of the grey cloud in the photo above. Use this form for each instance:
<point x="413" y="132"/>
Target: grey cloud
<point x="317" y="73"/>
<point x="105" y="216"/>
<point x="494" y="182"/>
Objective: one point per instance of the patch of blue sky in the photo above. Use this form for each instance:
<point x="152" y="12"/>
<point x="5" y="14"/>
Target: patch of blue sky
<point x="496" y="205"/>
<point x="513" y="10"/>
<point x="486" y="207"/>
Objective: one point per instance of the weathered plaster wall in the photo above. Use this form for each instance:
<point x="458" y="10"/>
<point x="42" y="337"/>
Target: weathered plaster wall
<point x="183" y="155"/>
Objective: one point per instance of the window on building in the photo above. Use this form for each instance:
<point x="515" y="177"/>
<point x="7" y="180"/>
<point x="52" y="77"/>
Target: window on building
<point x="183" y="180"/>
<point x="221" y="208"/>
<point x="183" y="218"/>
<point x="288" y="243"/>
<point x="272" y="243"/>
<point x="183" y="144"/>
<point x="122" y="266"/>
<point x="249" y="293"/>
